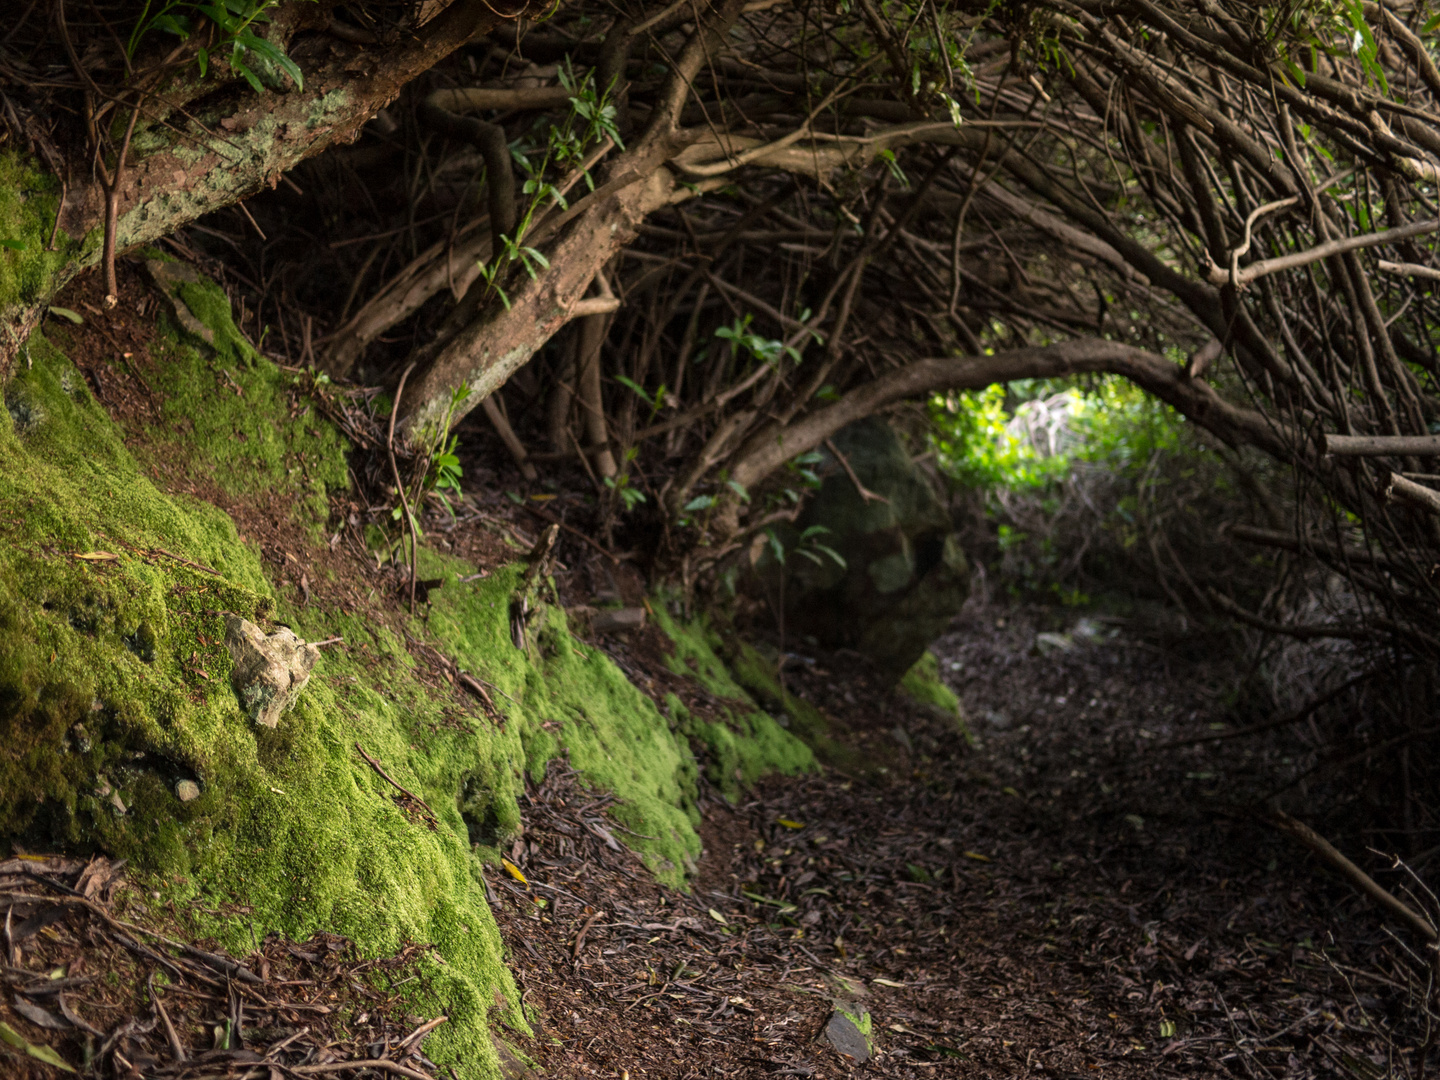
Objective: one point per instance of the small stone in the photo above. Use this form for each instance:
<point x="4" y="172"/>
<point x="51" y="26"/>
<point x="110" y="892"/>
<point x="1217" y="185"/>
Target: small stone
<point x="629" y="618"/>
<point x="270" y="670"/>
<point x="1047" y="644"/>
<point x="187" y="790"/>
<point x="850" y="1034"/>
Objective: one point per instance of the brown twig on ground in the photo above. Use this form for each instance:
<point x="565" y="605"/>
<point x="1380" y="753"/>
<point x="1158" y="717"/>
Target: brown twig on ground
<point x="379" y="1064"/>
<point x="112" y="213"/>
<point x="393" y="783"/>
<point x="400" y="484"/>
<point x="1352" y="873"/>
<point x="545" y="515"/>
<point x="580" y="937"/>
<point x="175" y="1047"/>
<point x="475" y="686"/>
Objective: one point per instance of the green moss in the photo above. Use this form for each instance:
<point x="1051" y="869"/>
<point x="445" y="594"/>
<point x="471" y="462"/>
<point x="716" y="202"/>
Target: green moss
<point x="562" y="697"/>
<point x="29" y="198"/>
<point x="807" y="722"/>
<point x="115" y="686"/>
<point x="923" y="683"/>
<point x="746" y="743"/>
<point x="114" y="679"/>
<point x="233" y="419"/>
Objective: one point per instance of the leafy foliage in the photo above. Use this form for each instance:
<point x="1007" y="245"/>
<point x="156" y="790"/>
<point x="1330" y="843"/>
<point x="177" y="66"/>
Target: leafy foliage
<point x="747" y="341"/>
<point x="980" y="443"/>
<point x="248" y="54"/>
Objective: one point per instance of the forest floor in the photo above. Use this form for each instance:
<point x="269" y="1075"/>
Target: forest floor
<point x="1080" y="893"/>
<point x="1075" y="895"/>
<point x="1085" y="890"/>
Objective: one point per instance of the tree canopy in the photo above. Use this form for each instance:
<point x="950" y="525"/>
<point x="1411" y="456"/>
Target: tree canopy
<point x="712" y="234"/>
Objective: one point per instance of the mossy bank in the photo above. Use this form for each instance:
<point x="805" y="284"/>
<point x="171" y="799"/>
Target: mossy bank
<point x="115" y="693"/>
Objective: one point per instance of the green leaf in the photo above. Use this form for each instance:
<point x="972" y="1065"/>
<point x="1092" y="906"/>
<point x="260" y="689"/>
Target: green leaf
<point x="39" y="1053"/>
<point x="777" y="547"/>
<point x="636" y="387"/>
<point x="739" y="489"/>
<point x="13" y="245"/>
<point x="66" y="313"/>
<point x="700" y="502"/>
<point x="48" y="1055"/>
<point x="173" y="24"/>
<point x="240" y="67"/>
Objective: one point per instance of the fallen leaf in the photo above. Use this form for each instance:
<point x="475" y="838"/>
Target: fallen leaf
<point x="889" y="982"/>
<point x="791" y="824"/>
<point x="77" y="319"/>
<point x="514" y="871"/>
<point x="977" y="856"/>
<point x="97" y="556"/>
<point x="719" y="918"/>
<point x="39" y="1053"/>
<point x="40" y="1017"/>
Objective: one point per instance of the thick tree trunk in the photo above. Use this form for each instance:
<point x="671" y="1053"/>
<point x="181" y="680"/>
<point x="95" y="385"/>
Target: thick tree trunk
<point x="503" y="338"/>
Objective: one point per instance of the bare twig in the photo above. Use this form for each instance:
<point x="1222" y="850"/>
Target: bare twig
<point x="400" y="484"/>
<point x="865" y="493"/>
<point x="393" y="783"/>
<point x="1352" y="873"/>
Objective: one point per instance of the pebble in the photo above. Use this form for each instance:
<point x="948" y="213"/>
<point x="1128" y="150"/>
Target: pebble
<point x="186" y="790"/>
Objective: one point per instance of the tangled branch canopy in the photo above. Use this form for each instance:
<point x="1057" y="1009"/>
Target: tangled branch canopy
<point x="727" y="230"/>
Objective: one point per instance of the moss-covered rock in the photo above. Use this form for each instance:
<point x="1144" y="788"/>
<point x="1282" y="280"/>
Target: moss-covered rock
<point x="744" y="743"/>
<point x="900" y="575"/>
<point x="924" y="685"/>
<point x="120" y="731"/>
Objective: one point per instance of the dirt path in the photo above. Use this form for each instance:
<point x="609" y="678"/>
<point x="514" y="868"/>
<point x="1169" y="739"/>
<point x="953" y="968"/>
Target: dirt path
<point x="1068" y="898"/>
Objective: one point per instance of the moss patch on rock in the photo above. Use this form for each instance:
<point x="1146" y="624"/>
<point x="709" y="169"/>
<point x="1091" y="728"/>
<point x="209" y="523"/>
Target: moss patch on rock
<point x="746" y="743"/>
<point x="115" y="693"/>
<point x="561" y="697"/>
<point x="28" y="201"/>
<point x="924" y="684"/>
<point x="114" y="690"/>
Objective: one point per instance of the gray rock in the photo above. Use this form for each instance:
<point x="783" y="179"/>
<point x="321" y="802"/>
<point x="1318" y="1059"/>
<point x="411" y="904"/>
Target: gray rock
<point x="904" y="576"/>
<point x="628" y="618"/>
<point x="270" y="671"/>
<point x="849" y="1033"/>
<point x="187" y="790"/>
